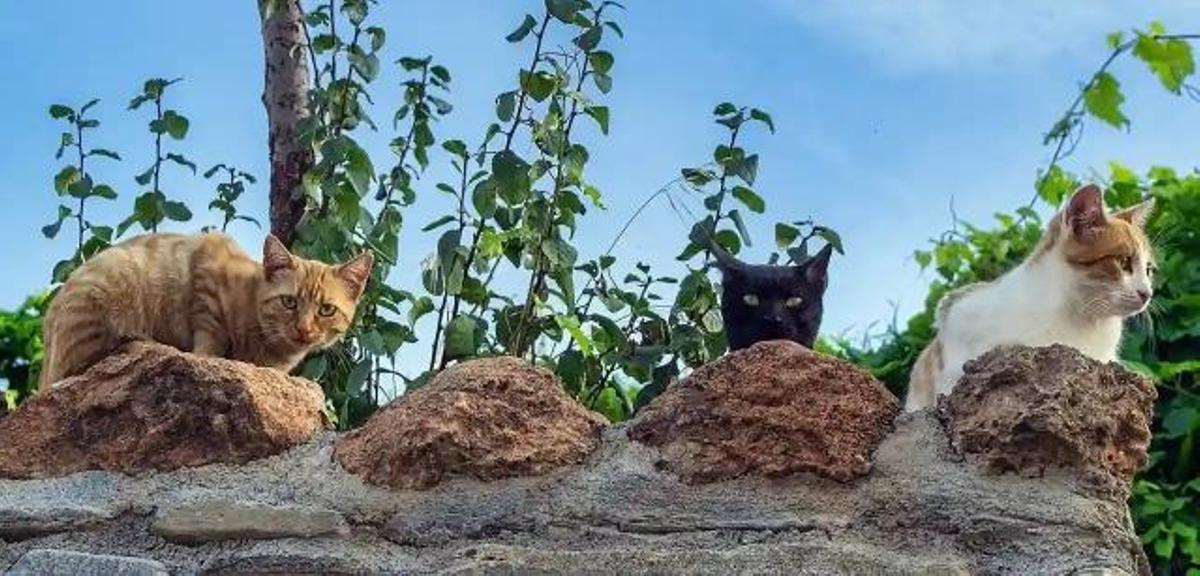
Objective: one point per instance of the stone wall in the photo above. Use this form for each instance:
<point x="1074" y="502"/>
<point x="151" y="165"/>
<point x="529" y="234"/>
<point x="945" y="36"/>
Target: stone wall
<point x="774" y="460"/>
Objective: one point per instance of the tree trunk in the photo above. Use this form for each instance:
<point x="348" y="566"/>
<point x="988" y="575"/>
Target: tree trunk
<point x="285" y="95"/>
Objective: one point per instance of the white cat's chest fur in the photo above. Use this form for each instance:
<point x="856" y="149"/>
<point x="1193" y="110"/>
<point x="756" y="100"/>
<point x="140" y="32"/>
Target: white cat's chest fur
<point x="1026" y="306"/>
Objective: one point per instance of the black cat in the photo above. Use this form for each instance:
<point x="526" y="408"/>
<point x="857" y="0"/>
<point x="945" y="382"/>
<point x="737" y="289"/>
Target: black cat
<point x="772" y="302"/>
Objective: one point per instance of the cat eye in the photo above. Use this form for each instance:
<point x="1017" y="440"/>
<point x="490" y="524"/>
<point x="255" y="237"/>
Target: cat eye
<point x="1127" y="264"/>
<point x="288" y="302"/>
<point x="327" y="310"/>
<point x="794" y="302"/>
<point x="750" y="300"/>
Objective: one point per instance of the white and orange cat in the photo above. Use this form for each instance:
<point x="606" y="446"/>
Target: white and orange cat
<point x="200" y="294"/>
<point x="1091" y="270"/>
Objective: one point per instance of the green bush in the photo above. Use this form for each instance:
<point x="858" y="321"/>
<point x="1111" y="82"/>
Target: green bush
<point x="21" y="348"/>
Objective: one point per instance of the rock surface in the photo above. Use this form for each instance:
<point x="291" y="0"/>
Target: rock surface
<point x="53" y="562"/>
<point x="152" y="407"/>
<point x="220" y="520"/>
<point x="922" y="509"/>
<point x="773" y="409"/>
<point x="489" y="418"/>
<point x="1024" y="410"/>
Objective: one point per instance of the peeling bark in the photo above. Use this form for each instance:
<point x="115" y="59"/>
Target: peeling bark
<point x="285" y="96"/>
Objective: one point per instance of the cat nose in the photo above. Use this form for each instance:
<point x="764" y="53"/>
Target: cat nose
<point x="1144" y="295"/>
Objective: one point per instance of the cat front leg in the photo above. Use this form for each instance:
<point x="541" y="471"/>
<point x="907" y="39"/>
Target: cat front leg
<point x="208" y="335"/>
<point x="208" y="343"/>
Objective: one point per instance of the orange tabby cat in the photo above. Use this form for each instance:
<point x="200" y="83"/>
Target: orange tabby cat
<point x="201" y="294"/>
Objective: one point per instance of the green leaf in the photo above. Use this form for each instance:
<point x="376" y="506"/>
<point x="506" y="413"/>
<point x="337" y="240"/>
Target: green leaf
<point x="923" y="258"/>
<point x="460" y="338"/>
<point x="751" y="200"/>
<point x="145" y="176"/>
<point x="511" y="175"/>
<point x="1055" y="185"/>
<point x="372" y="342"/>
<point x="104" y="191"/>
<point x="58" y="111"/>
<point x="175" y="124"/>
<point x="1114" y="39"/>
<point x="539" y="85"/>
<point x="506" y="104"/>
<point x="589" y="39"/>
<point x="456" y="147"/>
<point x="603" y="82"/>
<point x="177" y="211"/>
<point x="358" y="377"/>
<point x="483" y="197"/>
<point x="559" y="252"/>
<point x="698" y="176"/>
<point x="420" y="307"/>
<point x="409" y="63"/>
<point x="323" y="43"/>
<point x="523" y="30"/>
<point x="366" y="65"/>
<point x="600" y="113"/>
<point x="314" y="368"/>
<point x="378" y="37"/>
<point x="724" y="109"/>
<point x="51" y="230"/>
<point x="180" y="160"/>
<point x="756" y="114"/>
<point x="741" y="226"/>
<point x="63" y="269"/>
<point x="601" y="61"/>
<point x="563" y="10"/>
<point x="359" y="168"/>
<point x="728" y="239"/>
<point x="785" y="234"/>
<point x="593" y="194"/>
<point x="438" y="223"/>
<point x="570" y="325"/>
<point x="355" y="11"/>
<point x="65" y="177"/>
<point x="81" y="188"/>
<point x="829" y="236"/>
<point x="1170" y="60"/>
<point x="747" y="169"/>
<point x="1103" y="100"/>
<point x="104" y="152"/>
<point x="440" y="73"/>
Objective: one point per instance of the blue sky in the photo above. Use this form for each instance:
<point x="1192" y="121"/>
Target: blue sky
<point x="885" y="112"/>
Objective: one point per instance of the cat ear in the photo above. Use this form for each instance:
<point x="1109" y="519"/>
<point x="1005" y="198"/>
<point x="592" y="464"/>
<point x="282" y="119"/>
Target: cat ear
<point x="357" y="271"/>
<point x="1084" y="215"/>
<point x="817" y="268"/>
<point x="276" y="257"/>
<point x="726" y="261"/>
<point x="1138" y="214"/>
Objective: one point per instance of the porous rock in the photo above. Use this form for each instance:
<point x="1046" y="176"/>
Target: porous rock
<point x="773" y="409"/>
<point x="221" y="520"/>
<point x="1020" y="409"/>
<point x="488" y="418"/>
<point x="151" y="407"/>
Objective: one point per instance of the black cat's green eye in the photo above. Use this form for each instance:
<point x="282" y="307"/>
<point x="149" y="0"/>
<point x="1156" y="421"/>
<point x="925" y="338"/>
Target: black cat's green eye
<point x="794" y="302"/>
<point x="327" y="310"/>
<point x="750" y="300"/>
<point x="288" y="302"/>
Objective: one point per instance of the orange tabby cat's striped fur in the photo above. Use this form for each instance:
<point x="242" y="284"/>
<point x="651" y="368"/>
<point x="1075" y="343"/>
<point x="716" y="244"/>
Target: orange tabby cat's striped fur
<point x="201" y="294"/>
